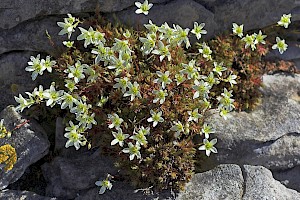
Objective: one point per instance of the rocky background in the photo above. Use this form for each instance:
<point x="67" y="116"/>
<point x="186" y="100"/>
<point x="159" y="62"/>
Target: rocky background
<point x="259" y="152"/>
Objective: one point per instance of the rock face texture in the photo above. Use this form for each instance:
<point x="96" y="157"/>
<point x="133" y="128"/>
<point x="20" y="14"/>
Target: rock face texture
<point x="268" y="136"/>
<point x="236" y="183"/>
<point x="16" y="194"/>
<point x="223" y="182"/>
<point x="30" y="142"/>
<point x="70" y="176"/>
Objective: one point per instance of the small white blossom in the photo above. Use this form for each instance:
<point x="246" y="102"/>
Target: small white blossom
<point x="133" y="150"/>
<point x="155" y="117"/>
<point x="114" y="120"/>
<point x="122" y="83"/>
<point x="208" y="146"/>
<point x="250" y="41"/>
<point x="143" y="7"/>
<point x="53" y="97"/>
<point x="202" y="89"/>
<point x="198" y="30"/>
<point x="194" y="115"/>
<point x="259" y="38"/>
<point x="207" y="130"/>
<point x="238" y="30"/>
<point x="163" y="78"/>
<point x="280" y="45"/>
<point x="119" y="137"/>
<point x="160" y="95"/>
<point x="105" y="184"/>
<point x="205" y="51"/>
<point x="134" y="91"/>
<point x="68" y="25"/>
<point x="162" y="51"/>
<point x="218" y="68"/>
<point x="285" y="20"/>
<point x="178" y="128"/>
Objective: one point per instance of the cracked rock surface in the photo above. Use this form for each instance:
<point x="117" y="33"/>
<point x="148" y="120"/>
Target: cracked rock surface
<point x="229" y="181"/>
<point x="30" y="141"/>
<point x="269" y="135"/>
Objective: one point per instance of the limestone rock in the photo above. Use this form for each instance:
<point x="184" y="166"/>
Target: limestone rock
<point x="260" y="185"/>
<point x="68" y="176"/>
<point x="222" y="182"/>
<point x="290" y="177"/>
<point x="17" y="195"/>
<point x="269" y="135"/>
<point x="13" y="77"/>
<point x="17" y="11"/>
<point x="181" y="12"/>
<point x="30" y="142"/>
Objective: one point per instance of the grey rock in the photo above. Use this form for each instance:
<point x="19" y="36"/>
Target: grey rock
<point x="269" y="135"/>
<point x="31" y="36"/>
<point x="17" y="11"/>
<point x="181" y="12"/>
<point x="17" y="195"/>
<point x="68" y="176"/>
<point x="260" y="185"/>
<point x="30" y="142"/>
<point x="290" y="177"/>
<point x="13" y="77"/>
<point x="60" y="140"/>
<point x="123" y="191"/>
<point x="222" y="182"/>
<point x="253" y="14"/>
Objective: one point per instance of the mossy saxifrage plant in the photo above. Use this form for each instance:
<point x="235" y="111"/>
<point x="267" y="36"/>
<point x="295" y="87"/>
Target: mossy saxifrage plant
<point x="142" y="96"/>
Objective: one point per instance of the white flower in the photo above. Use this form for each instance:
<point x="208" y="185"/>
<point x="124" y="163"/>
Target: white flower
<point x="67" y="101"/>
<point x="143" y="7"/>
<point x="68" y="25"/>
<point x="189" y="69"/>
<point x="105" y="184"/>
<point x="280" y="45"/>
<point x="206" y="130"/>
<point x="119" y="137"/>
<point x="181" y="35"/>
<point x="259" y="38"/>
<point x="74" y="136"/>
<point x="208" y="146"/>
<point x="285" y="20"/>
<point x="251" y="41"/>
<point x="218" y="68"/>
<point x="224" y="112"/>
<point x="122" y="83"/>
<point x="134" y="91"/>
<point x="144" y="131"/>
<point x="35" y="66"/>
<point x="194" y="115"/>
<point x="70" y="84"/>
<point x="23" y="103"/>
<point x="155" y="117"/>
<point x="231" y="79"/>
<point x="198" y="30"/>
<point x="102" y="101"/>
<point x="139" y="137"/>
<point x="53" y="96"/>
<point x="163" y="78"/>
<point x="160" y="95"/>
<point x="163" y="51"/>
<point x="202" y="89"/>
<point x="68" y="44"/>
<point x="178" y="128"/>
<point x="206" y="51"/>
<point x="179" y="78"/>
<point x="133" y="150"/>
<point x="211" y="79"/>
<point x="76" y="72"/>
<point x="238" y="30"/>
<point x="114" y="120"/>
